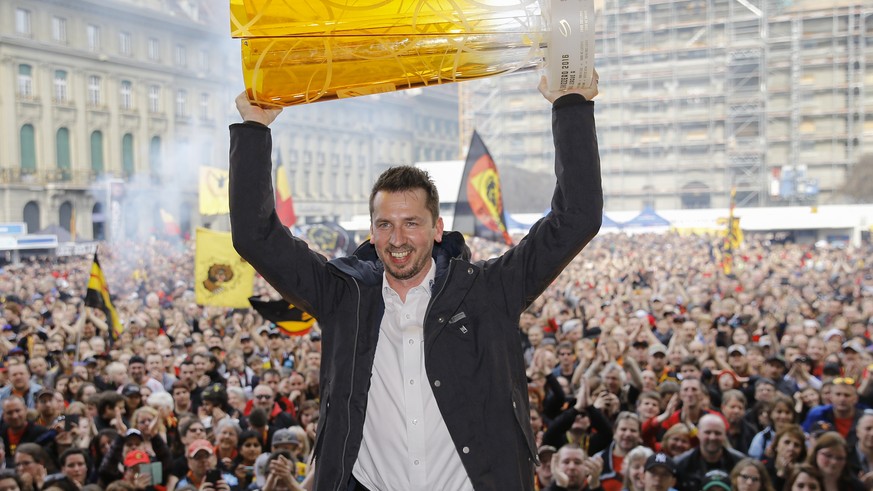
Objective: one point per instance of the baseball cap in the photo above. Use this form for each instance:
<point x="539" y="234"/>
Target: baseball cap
<point x="71" y="348"/>
<point x="136" y="359"/>
<point x="716" y="480"/>
<point x="135" y="457"/>
<point x="661" y="460"/>
<point x="657" y="348"/>
<point x="285" y="437"/>
<point x="45" y="392"/>
<point x="245" y="336"/>
<point x="130" y="390"/>
<point x="737" y="348"/>
<point x="197" y="446"/>
<point x="776" y="359"/>
<point x="833" y="332"/>
<point x="853" y="346"/>
<point x="132" y="432"/>
<point x="546" y="451"/>
<point x="214" y="393"/>
<point x="315" y="336"/>
<point x="90" y="361"/>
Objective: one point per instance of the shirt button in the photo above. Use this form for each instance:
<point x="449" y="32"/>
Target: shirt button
<point x="415" y="462"/>
<point x="469" y="270"/>
<point x="436" y="383"/>
<point x="411" y="341"/>
<point x="415" y="421"/>
<point x="412" y="382"/>
<point x="441" y="320"/>
<point x="407" y="316"/>
<point x="465" y="450"/>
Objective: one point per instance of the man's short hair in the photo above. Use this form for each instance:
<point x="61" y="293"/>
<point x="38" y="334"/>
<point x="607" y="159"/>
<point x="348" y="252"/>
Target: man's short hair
<point x="628" y="415"/>
<point x="733" y="394"/>
<point x="690" y="361"/>
<point x="407" y="178"/>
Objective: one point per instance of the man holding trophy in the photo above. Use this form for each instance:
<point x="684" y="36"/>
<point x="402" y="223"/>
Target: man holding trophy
<point x="423" y="382"/>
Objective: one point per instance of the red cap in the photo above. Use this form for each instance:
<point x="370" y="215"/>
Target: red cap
<point x="135" y="457"/>
<point x="198" y="445"/>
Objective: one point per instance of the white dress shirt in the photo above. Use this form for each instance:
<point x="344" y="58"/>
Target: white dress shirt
<point x="406" y="444"/>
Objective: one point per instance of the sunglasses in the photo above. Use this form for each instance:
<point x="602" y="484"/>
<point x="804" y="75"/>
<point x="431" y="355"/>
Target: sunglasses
<point x="844" y="381"/>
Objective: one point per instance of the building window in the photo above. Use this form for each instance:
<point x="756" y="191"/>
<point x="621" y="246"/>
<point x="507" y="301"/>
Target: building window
<point x="181" y="102"/>
<point x="25" y="81"/>
<point x="181" y="56"/>
<point x="93" y="37"/>
<point x="59" y="30"/>
<point x="22" y="21"/>
<point x="126" y="94"/>
<point x="97" y="152"/>
<point x="60" y="86"/>
<point x="31" y="215"/>
<point x="155" y="155"/>
<point x="204" y="105"/>
<point x="204" y="60"/>
<point x="28" y="149"/>
<point x="62" y="149"/>
<point x="124" y="43"/>
<point x="127" y="164"/>
<point x="94" y="90"/>
<point x="154" y="99"/>
<point x="154" y="49"/>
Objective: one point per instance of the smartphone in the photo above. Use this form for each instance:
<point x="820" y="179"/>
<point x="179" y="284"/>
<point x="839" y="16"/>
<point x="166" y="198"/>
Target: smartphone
<point x="155" y="470"/>
<point x="71" y="421"/>
<point x="213" y="476"/>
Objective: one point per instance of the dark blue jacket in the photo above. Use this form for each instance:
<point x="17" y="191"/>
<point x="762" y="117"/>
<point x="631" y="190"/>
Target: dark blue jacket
<point x="473" y="361"/>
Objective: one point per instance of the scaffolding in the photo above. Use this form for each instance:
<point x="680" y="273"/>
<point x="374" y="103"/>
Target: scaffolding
<point x="698" y="96"/>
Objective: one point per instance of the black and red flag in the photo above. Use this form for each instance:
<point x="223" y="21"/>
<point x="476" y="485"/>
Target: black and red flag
<point x="479" y="211"/>
<point x="289" y="319"/>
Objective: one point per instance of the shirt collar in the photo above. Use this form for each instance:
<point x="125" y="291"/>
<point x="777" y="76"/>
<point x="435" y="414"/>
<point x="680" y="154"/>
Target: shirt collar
<point x="425" y="286"/>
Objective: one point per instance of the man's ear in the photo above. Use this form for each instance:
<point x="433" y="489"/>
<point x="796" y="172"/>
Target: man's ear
<point x="438" y="237"/>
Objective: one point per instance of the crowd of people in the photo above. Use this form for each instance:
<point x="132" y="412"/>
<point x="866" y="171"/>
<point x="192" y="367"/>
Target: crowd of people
<point x="649" y="368"/>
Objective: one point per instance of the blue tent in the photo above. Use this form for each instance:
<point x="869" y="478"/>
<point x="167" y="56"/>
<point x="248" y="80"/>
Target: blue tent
<point x="647" y="218"/>
<point x="609" y="222"/>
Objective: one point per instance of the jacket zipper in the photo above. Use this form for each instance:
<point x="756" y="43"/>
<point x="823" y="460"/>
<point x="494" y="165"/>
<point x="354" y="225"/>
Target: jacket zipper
<point x="351" y="386"/>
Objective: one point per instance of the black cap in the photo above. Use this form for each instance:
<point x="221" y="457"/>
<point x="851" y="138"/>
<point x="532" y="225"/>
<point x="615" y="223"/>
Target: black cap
<point x="90" y="361"/>
<point x="214" y="393"/>
<point x="777" y="359"/>
<point x="315" y="336"/>
<point x="130" y="390"/>
<point x="661" y="460"/>
<point x="136" y="359"/>
<point x="592" y="333"/>
<point x="188" y="342"/>
<point x="71" y="348"/>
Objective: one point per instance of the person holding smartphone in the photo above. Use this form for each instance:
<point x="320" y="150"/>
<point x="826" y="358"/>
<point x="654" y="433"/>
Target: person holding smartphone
<point x="202" y="472"/>
<point x="281" y="473"/>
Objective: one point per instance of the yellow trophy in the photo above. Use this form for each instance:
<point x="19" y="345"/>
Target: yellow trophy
<point x="302" y="51"/>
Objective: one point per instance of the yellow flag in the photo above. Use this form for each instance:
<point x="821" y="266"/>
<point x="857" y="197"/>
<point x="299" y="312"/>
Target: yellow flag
<point x="221" y="276"/>
<point x="213" y="191"/>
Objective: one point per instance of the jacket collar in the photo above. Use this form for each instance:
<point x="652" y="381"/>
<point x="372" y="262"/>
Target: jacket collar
<point x="364" y="264"/>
